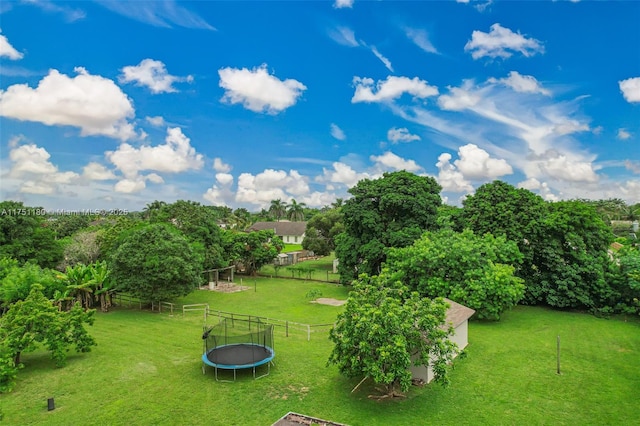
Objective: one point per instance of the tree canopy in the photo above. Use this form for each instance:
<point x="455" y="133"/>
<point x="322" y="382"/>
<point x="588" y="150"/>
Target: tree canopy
<point x="382" y="326"/>
<point x="392" y="211"/>
<point x="156" y="263"/>
<point x="572" y="258"/>
<point x="36" y="320"/>
<point x="252" y="250"/>
<point x="476" y="271"/>
<point x="24" y="235"/>
<point x="322" y="230"/>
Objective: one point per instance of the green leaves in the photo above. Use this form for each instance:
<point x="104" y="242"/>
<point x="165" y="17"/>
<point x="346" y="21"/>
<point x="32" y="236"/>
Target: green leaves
<point x="382" y="326"/>
<point x="251" y="250"/>
<point x="35" y="320"/>
<point x="476" y="271"/>
<point x="156" y="263"/>
<point x="388" y="212"/>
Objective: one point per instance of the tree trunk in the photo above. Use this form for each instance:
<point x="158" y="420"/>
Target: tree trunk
<point x="16" y="360"/>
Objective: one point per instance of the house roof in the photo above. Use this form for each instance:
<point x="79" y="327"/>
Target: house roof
<point x="281" y="228"/>
<point x="457" y="313"/>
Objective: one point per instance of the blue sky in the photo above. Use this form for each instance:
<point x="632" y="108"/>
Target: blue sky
<point x="115" y="104"/>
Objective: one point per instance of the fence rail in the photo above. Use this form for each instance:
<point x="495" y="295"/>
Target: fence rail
<point x="285" y="326"/>
<point x="279" y="324"/>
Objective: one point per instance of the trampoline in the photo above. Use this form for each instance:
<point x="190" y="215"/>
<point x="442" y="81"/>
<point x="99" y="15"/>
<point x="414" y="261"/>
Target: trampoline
<point x="238" y="344"/>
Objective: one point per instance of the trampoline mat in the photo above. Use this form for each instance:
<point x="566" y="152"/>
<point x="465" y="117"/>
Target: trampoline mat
<point x="238" y="355"/>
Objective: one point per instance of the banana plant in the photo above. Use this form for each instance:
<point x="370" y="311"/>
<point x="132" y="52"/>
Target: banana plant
<point x="104" y="288"/>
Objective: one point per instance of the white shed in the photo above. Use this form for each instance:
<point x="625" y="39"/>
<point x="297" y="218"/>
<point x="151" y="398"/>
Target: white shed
<point x="458" y="317"/>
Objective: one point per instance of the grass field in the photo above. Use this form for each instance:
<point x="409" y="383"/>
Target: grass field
<point x="146" y="370"/>
<point x="320" y="269"/>
<point x="291" y="247"/>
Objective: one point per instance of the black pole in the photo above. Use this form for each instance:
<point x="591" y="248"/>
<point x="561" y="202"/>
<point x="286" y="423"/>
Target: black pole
<point x="51" y="405"/>
<point x="558" y="356"/>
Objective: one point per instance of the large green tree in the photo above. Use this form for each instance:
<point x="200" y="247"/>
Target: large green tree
<point x="34" y="321"/>
<point x="156" y="263"/>
<point x="322" y="230"/>
<point x="199" y="224"/>
<point x="572" y="258"/>
<point x="382" y="326"/>
<point x="26" y="236"/>
<point x="501" y="209"/>
<point x="16" y="281"/>
<point x="476" y="271"/>
<point x="564" y="244"/>
<point x="624" y="277"/>
<point x="392" y="211"/>
<point x="251" y="250"/>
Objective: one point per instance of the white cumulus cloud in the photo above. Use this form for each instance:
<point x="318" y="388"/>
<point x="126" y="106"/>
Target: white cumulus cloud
<point x="341" y="173"/>
<point x="93" y="103"/>
<point x="391" y="161"/>
<point x="220" y="166"/>
<point x="522" y="83"/>
<point x="7" y="50"/>
<point x="152" y="74"/>
<point x="567" y="168"/>
<point x="31" y="165"/>
<point x="390" y="89"/>
<point x="475" y="163"/>
<point x="176" y="155"/>
<point x="270" y="185"/>
<point x="221" y="193"/>
<point x="449" y="178"/>
<point x="397" y="135"/>
<point x="501" y="42"/>
<point x="623" y="134"/>
<point x="630" y="89"/>
<point x="96" y="171"/>
<point x="259" y="91"/>
<point x="459" y="98"/>
<point x="156" y="121"/>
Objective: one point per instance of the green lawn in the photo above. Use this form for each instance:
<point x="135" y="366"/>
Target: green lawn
<point x="319" y="270"/>
<point x="291" y="247"/>
<point x="146" y="370"/>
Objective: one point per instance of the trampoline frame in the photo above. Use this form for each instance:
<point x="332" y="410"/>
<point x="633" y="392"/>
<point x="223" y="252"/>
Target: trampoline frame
<point x="268" y="361"/>
<point x="251" y="339"/>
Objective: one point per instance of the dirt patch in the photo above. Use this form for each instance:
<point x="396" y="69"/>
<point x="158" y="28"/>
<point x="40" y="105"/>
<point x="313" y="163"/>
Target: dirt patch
<point x="226" y="287"/>
<point x="329" y="301"/>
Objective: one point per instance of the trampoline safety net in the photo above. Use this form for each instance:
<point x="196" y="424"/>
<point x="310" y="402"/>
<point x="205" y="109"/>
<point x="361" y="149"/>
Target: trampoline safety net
<point x="238" y="343"/>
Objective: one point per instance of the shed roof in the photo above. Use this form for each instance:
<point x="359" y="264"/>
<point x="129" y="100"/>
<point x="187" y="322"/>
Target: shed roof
<point x="281" y="228"/>
<point x="457" y="313"/>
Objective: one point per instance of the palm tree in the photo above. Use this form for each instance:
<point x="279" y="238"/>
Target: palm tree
<point x="338" y="203"/>
<point x="278" y="208"/>
<point x="152" y="208"/>
<point x="295" y="211"/>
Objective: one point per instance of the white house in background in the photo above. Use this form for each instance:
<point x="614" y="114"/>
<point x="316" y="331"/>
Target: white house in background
<point x="289" y="232"/>
<point x="458" y="317"/>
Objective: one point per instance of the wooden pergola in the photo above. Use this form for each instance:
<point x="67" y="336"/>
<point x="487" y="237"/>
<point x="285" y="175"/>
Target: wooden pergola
<point x="214" y="274"/>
